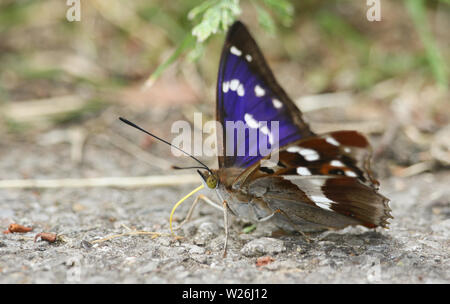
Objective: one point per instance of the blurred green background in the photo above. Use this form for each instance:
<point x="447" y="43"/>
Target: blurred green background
<point x="139" y="59"/>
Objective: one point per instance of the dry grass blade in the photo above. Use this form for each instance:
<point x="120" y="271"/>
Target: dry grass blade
<point x="39" y="109"/>
<point x="134" y="232"/>
<point x="440" y="146"/>
<point x="123" y="182"/>
<point x="416" y="168"/>
<point x="322" y="101"/>
<point x="367" y="127"/>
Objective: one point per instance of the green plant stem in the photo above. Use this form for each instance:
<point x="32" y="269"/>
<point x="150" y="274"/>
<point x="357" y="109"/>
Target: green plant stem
<point x="438" y="66"/>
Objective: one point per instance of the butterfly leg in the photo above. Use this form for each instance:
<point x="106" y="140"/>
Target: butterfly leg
<point x="292" y="223"/>
<point x="289" y="220"/>
<point x="194" y="204"/>
<point x="225" y="219"/>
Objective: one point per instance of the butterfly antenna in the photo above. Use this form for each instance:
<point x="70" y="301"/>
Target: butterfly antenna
<point x="182" y="168"/>
<point x="166" y="142"/>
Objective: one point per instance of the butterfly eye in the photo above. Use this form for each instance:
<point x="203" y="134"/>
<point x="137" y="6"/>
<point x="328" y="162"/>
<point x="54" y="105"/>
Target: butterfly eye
<point x="211" y="182"/>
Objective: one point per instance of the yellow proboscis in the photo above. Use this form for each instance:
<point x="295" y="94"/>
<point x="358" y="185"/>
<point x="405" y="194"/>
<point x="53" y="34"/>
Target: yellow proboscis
<point x="178" y="204"/>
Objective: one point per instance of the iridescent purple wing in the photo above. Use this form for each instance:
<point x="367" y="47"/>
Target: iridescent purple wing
<point x="249" y="96"/>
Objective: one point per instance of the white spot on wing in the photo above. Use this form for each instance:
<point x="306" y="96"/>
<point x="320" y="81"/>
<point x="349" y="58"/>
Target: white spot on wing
<point x="225" y="86"/>
<point x="265" y="130"/>
<point x="337" y="163"/>
<point x="276" y="103"/>
<point x="268" y="164"/>
<point x="347" y="150"/>
<point x="312" y="186"/>
<point x="251" y="122"/>
<point x="240" y="90"/>
<point x="317" y="182"/>
<point x="332" y="141"/>
<point x="234" y="84"/>
<point x="324" y="206"/>
<point x="322" y="201"/>
<point x="248" y="57"/>
<point x="254" y="124"/>
<point x="350" y="173"/>
<point x="293" y="149"/>
<point x="259" y="91"/>
<point x="235" y="51"/>
<point x="307" y="182"/>
<point x="309" y="154"/>
<point x="303" y="171"/>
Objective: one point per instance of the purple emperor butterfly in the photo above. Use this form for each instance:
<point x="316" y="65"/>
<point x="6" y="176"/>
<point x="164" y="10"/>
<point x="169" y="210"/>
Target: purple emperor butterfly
<point x="318" y="181"/>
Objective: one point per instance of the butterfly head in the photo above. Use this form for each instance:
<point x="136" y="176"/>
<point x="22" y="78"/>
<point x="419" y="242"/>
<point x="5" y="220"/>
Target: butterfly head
<point x="210" y="179"/>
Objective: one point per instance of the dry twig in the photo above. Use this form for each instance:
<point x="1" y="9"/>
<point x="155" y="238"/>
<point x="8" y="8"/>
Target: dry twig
<point x="416" y="169"/>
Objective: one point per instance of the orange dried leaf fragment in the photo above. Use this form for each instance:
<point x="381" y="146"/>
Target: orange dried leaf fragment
<point x="49" y="237"/>
<point x="16" y="228"/>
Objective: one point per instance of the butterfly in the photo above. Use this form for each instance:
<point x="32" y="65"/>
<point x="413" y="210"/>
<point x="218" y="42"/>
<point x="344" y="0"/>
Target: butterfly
<point x="317" y="181"/>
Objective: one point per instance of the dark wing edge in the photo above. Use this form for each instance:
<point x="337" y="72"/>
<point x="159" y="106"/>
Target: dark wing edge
<point x="239" y="36"/>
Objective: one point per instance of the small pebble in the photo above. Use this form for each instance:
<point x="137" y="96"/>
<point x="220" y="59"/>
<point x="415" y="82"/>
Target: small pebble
<point x="263" y="246"/>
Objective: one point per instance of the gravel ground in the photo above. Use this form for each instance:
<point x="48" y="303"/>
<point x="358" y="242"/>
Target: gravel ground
<point x="414" y="250"/>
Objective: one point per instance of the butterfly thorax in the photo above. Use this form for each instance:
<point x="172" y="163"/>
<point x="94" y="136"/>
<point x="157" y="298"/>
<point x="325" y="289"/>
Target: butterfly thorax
<point x="239" y="201"/>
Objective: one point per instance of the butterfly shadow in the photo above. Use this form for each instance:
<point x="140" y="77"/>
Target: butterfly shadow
<point x="352" y="240"/>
